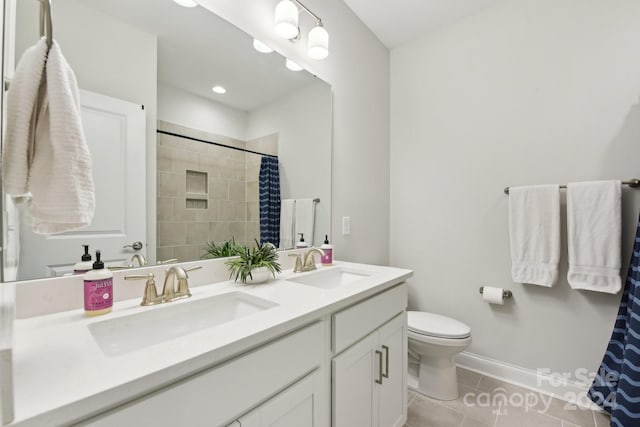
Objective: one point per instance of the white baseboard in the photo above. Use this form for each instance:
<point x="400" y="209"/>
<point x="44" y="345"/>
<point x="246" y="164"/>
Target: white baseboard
<point x="556" y="386"/>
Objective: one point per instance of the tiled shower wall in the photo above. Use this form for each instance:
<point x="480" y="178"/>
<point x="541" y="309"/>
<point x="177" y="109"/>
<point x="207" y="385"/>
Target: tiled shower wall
<point x="193" y="210"/>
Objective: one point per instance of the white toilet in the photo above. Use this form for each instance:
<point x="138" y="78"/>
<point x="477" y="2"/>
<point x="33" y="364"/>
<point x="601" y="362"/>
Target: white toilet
<point x="434" y="341"/>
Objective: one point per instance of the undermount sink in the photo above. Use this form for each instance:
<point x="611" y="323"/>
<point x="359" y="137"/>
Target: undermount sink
<point x="330" y="277"/>
<point x="129" y="333"/>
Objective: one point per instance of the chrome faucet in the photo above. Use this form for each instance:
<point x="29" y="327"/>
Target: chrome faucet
<point x="309" y="263"/>
<point x="142" y="261"/>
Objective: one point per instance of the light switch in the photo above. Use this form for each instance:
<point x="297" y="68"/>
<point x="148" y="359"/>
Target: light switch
<point x="346" y="225"/>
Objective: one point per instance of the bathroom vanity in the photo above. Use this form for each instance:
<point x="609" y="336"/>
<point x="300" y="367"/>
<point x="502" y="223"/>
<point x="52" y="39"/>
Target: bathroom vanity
<point x="321" y="348"/>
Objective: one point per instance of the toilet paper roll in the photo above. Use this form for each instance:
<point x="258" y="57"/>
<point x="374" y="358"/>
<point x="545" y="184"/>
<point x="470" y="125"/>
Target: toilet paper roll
<point x="492" y="295"/>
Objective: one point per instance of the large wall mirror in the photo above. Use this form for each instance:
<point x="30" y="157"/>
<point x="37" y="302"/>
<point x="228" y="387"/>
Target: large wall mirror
<point x="176" y="165"/>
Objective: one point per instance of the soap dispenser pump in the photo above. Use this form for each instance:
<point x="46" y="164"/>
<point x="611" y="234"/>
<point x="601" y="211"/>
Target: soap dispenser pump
<point x="85" y="264"/>
<point x="98" y="289"/>
<point x="302" y="243"/>
<point x="327" y="258"/>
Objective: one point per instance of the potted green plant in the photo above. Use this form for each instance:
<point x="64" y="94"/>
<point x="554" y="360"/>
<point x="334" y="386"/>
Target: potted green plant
<point x="255" y="265"/>
<point x="227" y="249"/>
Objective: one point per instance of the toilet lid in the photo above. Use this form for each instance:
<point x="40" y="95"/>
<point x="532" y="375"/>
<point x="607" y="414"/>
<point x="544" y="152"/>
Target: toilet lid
<point x="435" y="325"/>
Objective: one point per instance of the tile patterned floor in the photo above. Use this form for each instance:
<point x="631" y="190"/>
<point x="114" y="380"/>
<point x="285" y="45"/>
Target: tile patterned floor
<point x="487" y="402"/>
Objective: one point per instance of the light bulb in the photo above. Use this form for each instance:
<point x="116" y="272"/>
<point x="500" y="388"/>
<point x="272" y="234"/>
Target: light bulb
<point x="261" y="47"/>
<point x="318" y="47"/>
<point x="292" y="65"/>
<point x="219" y="89"/>
<point x="286" y="19"/>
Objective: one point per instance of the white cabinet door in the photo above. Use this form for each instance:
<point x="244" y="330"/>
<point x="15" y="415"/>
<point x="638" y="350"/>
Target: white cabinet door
<point x="354" y="373"/>
<point x="393" y="390"/>
<point x="369" y="383"/>
<point x="295" y="407"/>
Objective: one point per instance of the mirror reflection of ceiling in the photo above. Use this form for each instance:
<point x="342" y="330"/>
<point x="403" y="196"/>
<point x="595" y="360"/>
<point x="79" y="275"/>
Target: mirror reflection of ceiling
<point x="196" y="43"/>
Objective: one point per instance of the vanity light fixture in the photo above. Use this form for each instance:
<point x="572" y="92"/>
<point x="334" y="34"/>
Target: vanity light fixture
<point x="286" y="20"/>
<point x="318" y="47"/>
<point x="286" y="26"/>
<point x="186" y="3"/>
<point x="292" y="65"/>
<point x="261" y="47"/>
<point x="219" y="89"/>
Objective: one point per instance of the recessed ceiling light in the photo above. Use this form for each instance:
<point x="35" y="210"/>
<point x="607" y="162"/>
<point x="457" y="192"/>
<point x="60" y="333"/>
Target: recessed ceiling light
<point x="186" y="3"/>
<point x="219" y="89"/>
<point x="261" y="47"/>
<point x="292" y="65"/>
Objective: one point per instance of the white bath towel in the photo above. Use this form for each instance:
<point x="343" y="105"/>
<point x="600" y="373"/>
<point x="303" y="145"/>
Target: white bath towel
<point x="593" y="235"/>
<point x="534" y="233"/>
<point x="287" y="212"/>
<point x="59" y="176"/>
<point x="22" y="113"/>
<point x="305" y="220"/>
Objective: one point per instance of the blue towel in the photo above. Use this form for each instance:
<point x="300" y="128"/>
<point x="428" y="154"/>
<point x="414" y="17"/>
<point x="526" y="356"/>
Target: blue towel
<point x="616" y="385"/>
<point x="269" y="183"/>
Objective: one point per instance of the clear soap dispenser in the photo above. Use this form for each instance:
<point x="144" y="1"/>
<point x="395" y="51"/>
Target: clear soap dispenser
<point x="302" y="243"/>
<point x="85" y="264"/>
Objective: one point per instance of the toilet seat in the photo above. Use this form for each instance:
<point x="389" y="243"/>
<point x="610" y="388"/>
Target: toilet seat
<point x="436" y="325"/>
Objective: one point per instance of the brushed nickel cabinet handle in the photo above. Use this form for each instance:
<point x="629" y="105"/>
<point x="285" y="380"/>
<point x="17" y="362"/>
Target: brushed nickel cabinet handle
<point x="386" y="361"/>
<point x="379" y="380"/>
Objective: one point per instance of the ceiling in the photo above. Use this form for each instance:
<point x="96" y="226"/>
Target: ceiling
<point x="398" y="21"/>
<point x="197" y="50"/>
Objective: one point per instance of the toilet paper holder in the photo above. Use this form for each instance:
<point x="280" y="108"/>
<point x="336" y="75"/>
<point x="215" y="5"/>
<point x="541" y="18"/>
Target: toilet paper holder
<point x="505" y="294"/>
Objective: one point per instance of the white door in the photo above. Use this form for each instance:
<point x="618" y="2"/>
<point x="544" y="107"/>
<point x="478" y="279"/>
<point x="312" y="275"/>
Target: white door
<point x="393" y="390"/>
<point x="116" y="136"/>
<point x="354" y="375"/>
<point x="294" y="407"/>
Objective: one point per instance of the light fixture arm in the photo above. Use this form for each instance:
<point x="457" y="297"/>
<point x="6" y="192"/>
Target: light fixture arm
<point x="306" y="9"/>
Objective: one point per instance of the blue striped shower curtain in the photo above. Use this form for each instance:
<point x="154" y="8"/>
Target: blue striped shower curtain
<point x="616" y="386"/>
<point x="269" y="184"/>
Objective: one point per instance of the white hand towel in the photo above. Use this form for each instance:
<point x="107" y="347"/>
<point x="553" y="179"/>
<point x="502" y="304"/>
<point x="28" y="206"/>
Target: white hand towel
<point x="305" y="219"/>
<point x="593" y="235"/>
<point x="22" y="113"/>
<point x="287" y="212"/>
<point x="59" y="176"/>
<point x="534" y="232"/>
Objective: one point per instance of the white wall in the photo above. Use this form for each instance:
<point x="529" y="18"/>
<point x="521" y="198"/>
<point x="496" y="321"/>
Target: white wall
<point x="302" y="121"/>
<point x="358" y="70"/>
<point x="185" y="109"/>
<point x="526" y="92"/>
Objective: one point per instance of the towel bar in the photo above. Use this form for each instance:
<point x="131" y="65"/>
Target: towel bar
<point x="633" y="183"/>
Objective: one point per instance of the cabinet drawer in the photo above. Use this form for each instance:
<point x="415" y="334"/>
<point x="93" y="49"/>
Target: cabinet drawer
<point x="356" y="322"/>
<point x="218" y="395"/>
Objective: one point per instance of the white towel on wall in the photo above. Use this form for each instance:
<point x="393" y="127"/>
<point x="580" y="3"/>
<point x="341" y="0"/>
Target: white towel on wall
<point x="305" y="220"/>
<point x="534" y="234"/>
<point x="287" y="212"/>
<point x="594" y="235"/>
<point x="59" y="176"/>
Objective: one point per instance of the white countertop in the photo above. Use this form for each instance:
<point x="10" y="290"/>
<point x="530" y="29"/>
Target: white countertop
<point x="62" y="376"/>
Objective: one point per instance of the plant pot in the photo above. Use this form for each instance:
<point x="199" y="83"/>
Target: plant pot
<point x="259" y="275"/>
